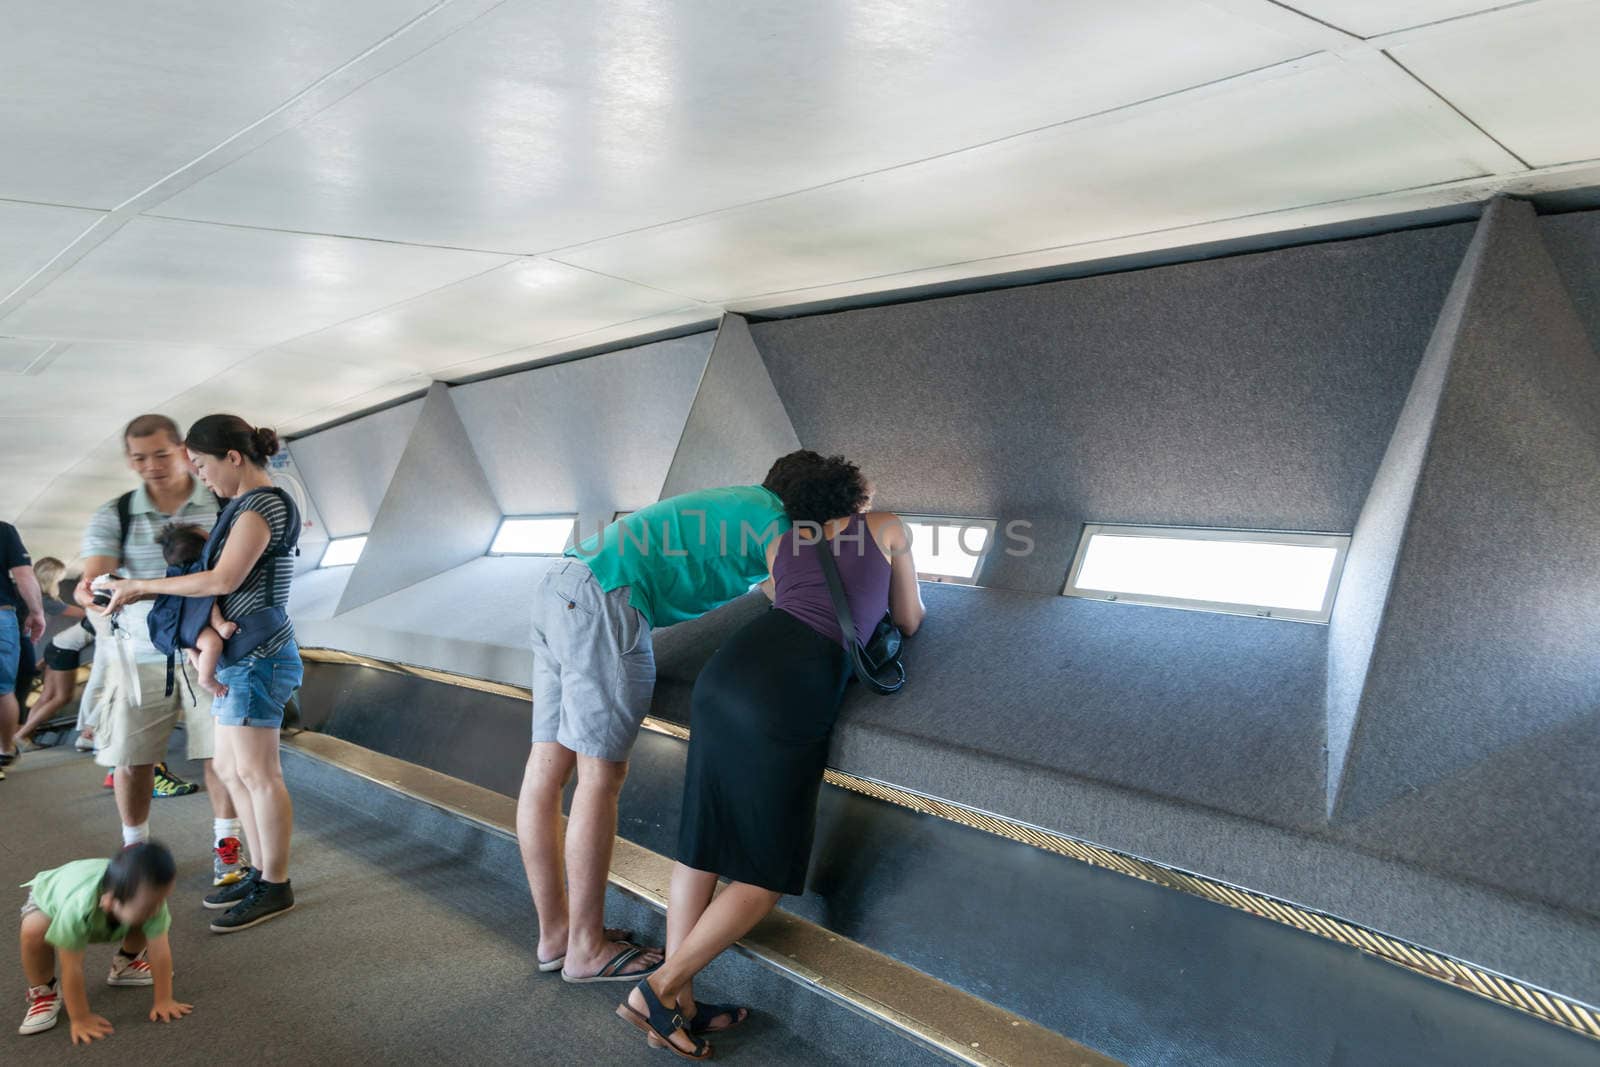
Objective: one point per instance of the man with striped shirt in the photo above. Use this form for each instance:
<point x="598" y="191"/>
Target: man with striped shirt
<point x="136" y="716"/>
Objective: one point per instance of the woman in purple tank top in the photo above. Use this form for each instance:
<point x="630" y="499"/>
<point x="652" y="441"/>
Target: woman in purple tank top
<point x="762" y="713"/>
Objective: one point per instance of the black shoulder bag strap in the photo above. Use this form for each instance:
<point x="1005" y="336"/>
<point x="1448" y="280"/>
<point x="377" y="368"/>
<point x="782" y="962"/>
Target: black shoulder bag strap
<point x="847" y="626"/>
<point x="124" y="520"/>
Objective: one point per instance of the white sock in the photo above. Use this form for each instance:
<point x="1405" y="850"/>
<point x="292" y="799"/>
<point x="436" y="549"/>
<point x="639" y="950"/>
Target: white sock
<point x="221" y="828"/>
<point x="135" y="835"/>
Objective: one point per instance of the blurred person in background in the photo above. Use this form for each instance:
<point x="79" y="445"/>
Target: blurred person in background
<point x="62" y="652"/>
<point x="21" y="617"/>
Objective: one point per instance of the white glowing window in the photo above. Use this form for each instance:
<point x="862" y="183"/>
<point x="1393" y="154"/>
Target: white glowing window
<point x="948" y="550"/>
<point x="343" y="551"/>
<point x="1240" y="572"/>
<point x="544" y="535"/>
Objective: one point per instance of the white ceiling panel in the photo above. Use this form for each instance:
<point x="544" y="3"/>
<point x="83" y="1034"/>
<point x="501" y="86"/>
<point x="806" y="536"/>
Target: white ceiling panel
<point x="113" y="382"/>
<point x="53" y="523"/>
<point x="274" y="388"/>
<point x="156" y="280"/>
<point x="31" y="235"/>
<point x="561" y="123"/>
<point x="1319" y="133"/>
<point x="17" y="356"/>
<point x="410" y="386"/>
<point x="1528" y="75"/>
<point x="37" y="449"/>
<point x="1369" y="18"/>
<point x="523" y="303"/>
<point x="100" y="100"/>
<point x="698" y="316"/>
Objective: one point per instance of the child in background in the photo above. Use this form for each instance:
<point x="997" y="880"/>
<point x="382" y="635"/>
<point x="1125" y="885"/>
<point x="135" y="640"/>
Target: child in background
<point x="93" y="902"/>
<point x="182" y="546"/>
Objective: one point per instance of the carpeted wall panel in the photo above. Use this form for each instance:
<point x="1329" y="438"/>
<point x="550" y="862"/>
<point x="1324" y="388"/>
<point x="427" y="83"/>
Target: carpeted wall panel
<point x="1574" y="244"/>
<point x="287" y="475"/>
<point x="438" y="513"/>
<point x="589" y="437"/>
<point x="1486" y="651"/>
<point x="737" y="425"/>
<point x="347" y="468"/>
<point x="1363" y="594"/>
<point x="1257" y="391"/>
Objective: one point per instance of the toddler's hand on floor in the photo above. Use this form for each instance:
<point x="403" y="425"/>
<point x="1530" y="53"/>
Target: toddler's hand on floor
<point x="88" y="1029"/>
<point x="169" y="1011"/>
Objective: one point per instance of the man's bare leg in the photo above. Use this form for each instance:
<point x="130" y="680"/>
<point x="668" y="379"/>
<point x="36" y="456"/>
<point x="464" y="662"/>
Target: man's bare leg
<point x="591" y="833"/>
<point x="541" y="841"/>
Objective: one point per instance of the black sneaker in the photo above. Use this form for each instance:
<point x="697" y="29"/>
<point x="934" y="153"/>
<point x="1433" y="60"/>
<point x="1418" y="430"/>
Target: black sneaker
<point x="234" y="892"/>
<point x="267" y="900"/>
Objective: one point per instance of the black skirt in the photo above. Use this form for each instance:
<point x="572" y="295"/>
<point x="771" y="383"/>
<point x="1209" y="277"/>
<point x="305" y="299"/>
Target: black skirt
<point x="762" y="712"/>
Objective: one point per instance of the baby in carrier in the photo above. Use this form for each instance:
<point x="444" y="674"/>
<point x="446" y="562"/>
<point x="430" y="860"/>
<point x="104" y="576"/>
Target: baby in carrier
<point x="183" y="546"/>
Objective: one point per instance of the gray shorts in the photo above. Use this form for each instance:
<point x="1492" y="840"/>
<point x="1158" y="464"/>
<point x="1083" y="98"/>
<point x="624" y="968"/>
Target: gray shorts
<point x="594" y="669"/>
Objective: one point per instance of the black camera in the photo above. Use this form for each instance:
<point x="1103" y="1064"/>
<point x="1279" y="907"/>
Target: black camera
<point x="102" y="597"/>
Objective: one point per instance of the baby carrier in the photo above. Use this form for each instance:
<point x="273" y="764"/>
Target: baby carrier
<point x="176" y="621"/>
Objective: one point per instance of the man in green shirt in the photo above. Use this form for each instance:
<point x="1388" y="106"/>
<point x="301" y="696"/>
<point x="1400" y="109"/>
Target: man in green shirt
<point x="593" y="676"/>
<point x="90" y="902"/>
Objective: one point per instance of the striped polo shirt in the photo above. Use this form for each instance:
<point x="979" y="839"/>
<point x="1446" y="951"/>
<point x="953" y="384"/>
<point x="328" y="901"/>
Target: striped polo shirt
<point x="143" y="558"/>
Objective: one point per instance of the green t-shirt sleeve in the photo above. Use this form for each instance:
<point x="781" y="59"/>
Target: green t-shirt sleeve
<point x="68" y="931"/>
<point x="159" y="923"/>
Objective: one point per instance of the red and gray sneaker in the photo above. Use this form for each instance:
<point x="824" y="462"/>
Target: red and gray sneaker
<point x="44" y="1006"/>
<point x="125" y="971"/>
<point x="228" y="861"/>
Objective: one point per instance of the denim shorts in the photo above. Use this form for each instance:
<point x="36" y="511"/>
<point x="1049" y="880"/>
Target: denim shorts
<point x="10" y="650"/>
<point x="258" y="688"/>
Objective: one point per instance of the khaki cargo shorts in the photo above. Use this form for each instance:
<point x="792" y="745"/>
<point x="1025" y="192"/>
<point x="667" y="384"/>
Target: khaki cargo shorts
<point x="134" y="720"/>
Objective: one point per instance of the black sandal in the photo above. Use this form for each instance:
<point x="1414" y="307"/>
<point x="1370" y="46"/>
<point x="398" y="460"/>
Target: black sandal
<point x="613" y="970"/>
<point x="663" y="1022"/>
<point x="704" y="1013"/>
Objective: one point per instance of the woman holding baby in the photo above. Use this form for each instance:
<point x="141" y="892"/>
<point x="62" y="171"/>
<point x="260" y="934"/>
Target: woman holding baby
<point x="247" y="566"/>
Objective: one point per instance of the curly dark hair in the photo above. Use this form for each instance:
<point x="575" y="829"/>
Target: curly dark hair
<point x="815" y="488"/>
<point x="181" y="543"/>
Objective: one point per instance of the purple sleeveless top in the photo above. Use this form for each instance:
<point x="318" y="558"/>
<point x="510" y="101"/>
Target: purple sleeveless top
<point x="801" y="589"/>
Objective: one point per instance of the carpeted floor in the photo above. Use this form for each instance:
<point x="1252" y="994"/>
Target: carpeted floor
<point x="399" y="951"/>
